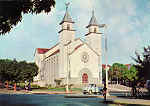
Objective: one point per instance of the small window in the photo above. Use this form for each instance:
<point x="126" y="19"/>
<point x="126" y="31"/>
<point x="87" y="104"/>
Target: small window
<point x="68" y="27"/>
<point x="90" y="30"/>
<point x="95" y="30"/>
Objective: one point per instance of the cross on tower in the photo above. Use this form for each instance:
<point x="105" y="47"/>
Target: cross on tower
<point x="67" y="5"/>
<point x="92" y="12"/>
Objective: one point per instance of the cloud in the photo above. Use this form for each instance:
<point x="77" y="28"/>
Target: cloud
<point x="148" y="5"/>
<point x="44" y="19"/>
<point x="85" y="5"/>
<point x="122" y="19"/>
<point x="128" y="27"/>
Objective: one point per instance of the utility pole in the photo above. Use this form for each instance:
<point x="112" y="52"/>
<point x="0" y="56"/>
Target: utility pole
<point x="105" y="55"/>
<point x="106" y="59"/>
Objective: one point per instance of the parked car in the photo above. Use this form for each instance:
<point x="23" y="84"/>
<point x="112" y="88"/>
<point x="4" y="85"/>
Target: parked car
<point x="92" y="89"/>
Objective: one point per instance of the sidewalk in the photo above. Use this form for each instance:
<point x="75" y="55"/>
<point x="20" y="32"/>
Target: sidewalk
<point x="113" y="99"/>
<point x="126" y="101"/>
<point x="131" y="101"/>
<point x="52" y="92"/>
<point x="6" y="91"/>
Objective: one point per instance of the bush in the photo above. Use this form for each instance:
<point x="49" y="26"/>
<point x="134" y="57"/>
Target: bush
<point x="35" y="86"/>
<point x="49" y="86"/>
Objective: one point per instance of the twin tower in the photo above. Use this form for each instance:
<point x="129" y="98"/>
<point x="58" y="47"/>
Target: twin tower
<point x="93" y="37"/>
<point x="90" y="71"/>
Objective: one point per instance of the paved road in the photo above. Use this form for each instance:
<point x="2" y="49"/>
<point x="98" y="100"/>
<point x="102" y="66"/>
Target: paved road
<point x="141" y="102"/>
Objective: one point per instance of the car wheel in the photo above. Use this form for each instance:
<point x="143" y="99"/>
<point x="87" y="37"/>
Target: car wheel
<point x="95" y="93"/>
<point x="84" y="92"/>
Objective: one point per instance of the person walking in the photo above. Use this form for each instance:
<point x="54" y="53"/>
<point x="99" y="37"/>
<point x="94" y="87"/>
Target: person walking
<point x="104" y="91"/>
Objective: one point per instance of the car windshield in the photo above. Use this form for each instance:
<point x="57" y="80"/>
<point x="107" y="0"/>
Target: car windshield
<point x="92" y="85"/>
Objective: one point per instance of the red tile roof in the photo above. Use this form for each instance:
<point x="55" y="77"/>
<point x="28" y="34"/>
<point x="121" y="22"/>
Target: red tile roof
<point x="128" y="65"/>
<point x="104" y="66"/>
<point x="42" y="50"/>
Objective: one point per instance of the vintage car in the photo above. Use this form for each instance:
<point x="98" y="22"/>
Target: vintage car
<point x="92" y="89"/>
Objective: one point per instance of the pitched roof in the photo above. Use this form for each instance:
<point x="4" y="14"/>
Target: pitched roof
<point x="83" y="43"/>
<point x="93" y="20"/>
<point x="55" y="52"/>
<point x="67" y="18"/>
<point x="42" y="50"/>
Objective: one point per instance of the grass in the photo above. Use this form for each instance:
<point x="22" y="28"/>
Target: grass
<point x="36" y="87"/>
<point x="76" y="89"/>
<point x="57" y="89"/>
<point x="62" y="89"/>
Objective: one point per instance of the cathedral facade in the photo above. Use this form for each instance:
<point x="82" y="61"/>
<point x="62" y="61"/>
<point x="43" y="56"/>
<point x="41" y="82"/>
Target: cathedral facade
<point x="71" y="60"/>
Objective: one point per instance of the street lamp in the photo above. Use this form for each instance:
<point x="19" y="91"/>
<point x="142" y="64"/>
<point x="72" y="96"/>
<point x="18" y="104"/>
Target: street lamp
<point x="106" y="58"/>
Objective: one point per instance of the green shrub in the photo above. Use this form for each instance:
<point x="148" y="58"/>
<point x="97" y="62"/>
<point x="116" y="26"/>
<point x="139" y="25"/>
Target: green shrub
<point x="49" y="86"/>
<point x="35" y="86"/>
<point x="21" y="85"/>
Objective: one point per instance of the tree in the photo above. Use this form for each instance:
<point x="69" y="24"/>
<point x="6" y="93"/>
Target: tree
<point x="29" y="71"/>
<point x="11" y="11"/>
<point x="143" y="65"/>
<point x="121" y="72"/>
<point x="5" y="73"/>
<point x="14" y="71"/>
<point x="130" y="74"/>
<point x="116" y="71"/>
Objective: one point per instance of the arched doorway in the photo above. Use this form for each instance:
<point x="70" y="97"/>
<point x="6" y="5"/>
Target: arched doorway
<point x="84" y="78"/>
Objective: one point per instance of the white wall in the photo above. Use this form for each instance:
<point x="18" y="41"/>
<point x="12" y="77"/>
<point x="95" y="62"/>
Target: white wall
<point x="77" y="65"/>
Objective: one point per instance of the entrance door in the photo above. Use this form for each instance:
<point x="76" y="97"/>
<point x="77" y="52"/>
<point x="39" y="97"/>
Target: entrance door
<point x="84" y="78"/>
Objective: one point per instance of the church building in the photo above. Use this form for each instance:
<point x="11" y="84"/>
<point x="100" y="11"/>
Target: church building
<point x="71" y="60"/>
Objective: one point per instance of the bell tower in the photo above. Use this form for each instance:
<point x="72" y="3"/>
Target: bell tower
<point x="93" y="37"/>
<point x="67" y="33"/>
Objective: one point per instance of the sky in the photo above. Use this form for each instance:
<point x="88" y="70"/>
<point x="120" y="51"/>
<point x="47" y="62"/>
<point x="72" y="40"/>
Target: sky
<point x="128" y="28"/>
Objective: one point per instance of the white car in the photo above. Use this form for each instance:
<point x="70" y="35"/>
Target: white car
<point x="92" y="89"/>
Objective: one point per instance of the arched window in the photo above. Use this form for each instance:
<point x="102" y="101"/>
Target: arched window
<point x="68" y="27"/>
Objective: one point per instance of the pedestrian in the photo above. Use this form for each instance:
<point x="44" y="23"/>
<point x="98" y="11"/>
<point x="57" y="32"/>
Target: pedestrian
<point x="26" y="86"/>
<point x="104" y="91"/>
<point x="133" y="90"/>
<point x="29" y="85"/>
